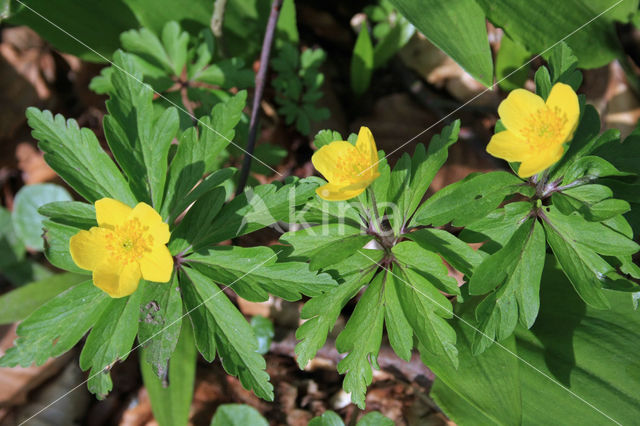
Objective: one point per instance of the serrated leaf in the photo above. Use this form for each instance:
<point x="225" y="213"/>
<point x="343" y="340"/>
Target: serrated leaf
<point x="18" y="304"/>
<point x="590" y="168"/>
<point x="255" y="273"/>
<point x="398" y="328"/>
<point x="257" y="208"/>
<point x="138" y="137"/>
<point x="198" y="151"/>
<point x="361" y="338"/>
<point x="374" y="418"/>
<point x="321" y="312"/>
<point x="160" y="322"/>
<point x="584" y="268"/>
<point x="328" y="418"/>
<point x="56" y="245"/>
<point x="455" y="251"/>
<point x="234" y="337"/>
<point x="73" y="213"/>
<point x="427" y="263"/>
<point x="76" y="156"/>
<point x="199" y="216"/>
<point x="563" y="66"/>
<point x="424" y="307"/>
<point x="110" y="340"/>
<point x="57" y="326"/>
<point x="516" y="294"/>
<point x="469" y="200"/>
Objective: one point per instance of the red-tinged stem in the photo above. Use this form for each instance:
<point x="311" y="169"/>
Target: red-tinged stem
<point x="261" y="76"/>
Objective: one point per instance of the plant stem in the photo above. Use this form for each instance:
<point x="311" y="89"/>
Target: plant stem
<point x="374" y="207"/>
<point x="216" y="19"/>
<point x="257" y="97"/>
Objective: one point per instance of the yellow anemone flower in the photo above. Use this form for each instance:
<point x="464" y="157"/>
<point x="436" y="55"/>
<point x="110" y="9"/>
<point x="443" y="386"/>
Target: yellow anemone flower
<point x="536" y="130"/>
<point x="348" y="169"/>
<point x="126" y="245"/>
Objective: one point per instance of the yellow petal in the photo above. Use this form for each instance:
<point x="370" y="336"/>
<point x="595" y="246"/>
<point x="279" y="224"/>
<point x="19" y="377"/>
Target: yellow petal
<point x="517" y="108"/>
<point x="157" y="265"/>
<point x="117" y="280"/>
<point x="367" y="145"/>
<point x="149" y="217"/>
<point x="565" y="99"/>
<point x="327" y="157"/>
<point x="332" y="192"/>
<point x="508" y="146"/>
<point x="543" y="160"/>
<point x="88" y="248"/>
<point x="111" y="213"/>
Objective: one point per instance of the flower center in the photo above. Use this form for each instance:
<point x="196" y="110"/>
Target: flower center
<point x="128" y="242"/>
<point x="348" y="169"/>
<point x="545" y="128"/>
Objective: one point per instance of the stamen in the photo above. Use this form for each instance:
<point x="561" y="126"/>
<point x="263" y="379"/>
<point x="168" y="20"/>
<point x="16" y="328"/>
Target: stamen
<point x="545" y="127"/>
<point x="129" y="242"/>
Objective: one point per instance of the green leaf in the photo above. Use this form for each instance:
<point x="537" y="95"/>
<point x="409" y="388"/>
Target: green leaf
<point x="325" y="137"/>
<point x="536" y="26"/>
<point x="154" y="14"/>
<point x="572" y="355"/>
<point x="428" y="263"/>
<point x="424" y="307"/>
<point x="590" y="168"/>
<point x="338" y="250"/>
<point x="424" y="166"/>
<point x="457" y="27"/>
<point x="171" y="397"/>
<point x="563" y="66"/>
<point x="263" y="329"/>
<point x="235" y="341"/>
<point x="596" y="236"/>
<point x="307" y="242"/>
<point x="56" y="245"/>
<point x="328" y="418"/>
<point x="65" y="24"/>
<point x="72" y="213"/>
<point x="362" y="62"/>
<point x="543" y="82"/>
<point x="584" y="268"/>
<point x="469" y="200"/>
<point x="202" y="213"/>
<point x="361" y="338"/>
<point x="497" y="227"/>
<point x="160" y="321"/>
<point x="76" y="156"/>
<point x="138" y="137"/>
<point x="254" y="273"/>
<point x="11" y="246"/>
<point x="321" y="312"/>
<point x="237" y="415"/>
<point x="198" y="150"/>
<point x="456" y="252"/>
<point x="475" y="393"/>
<point x="57" y="326"/>
<point x="509" y="71"/>
<point x="374" y="418"/>
<point x="110" y="340"/>
<point x="20" y="303"/>
<point x="27" y="222"/>
<point x="516" y="280"/>
<point x="398" y="328"/>
<point x="257" y="208"/>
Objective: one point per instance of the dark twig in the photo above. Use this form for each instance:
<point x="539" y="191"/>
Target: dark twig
<point x="257" y="97"/>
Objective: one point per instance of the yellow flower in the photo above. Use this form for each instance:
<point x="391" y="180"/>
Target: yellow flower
<point x="126" y="245"/>
<point x="348" y="169"/>
<point x="536" y="130"/>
